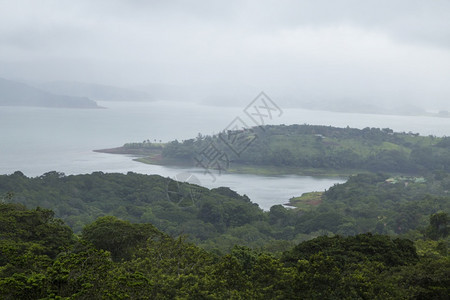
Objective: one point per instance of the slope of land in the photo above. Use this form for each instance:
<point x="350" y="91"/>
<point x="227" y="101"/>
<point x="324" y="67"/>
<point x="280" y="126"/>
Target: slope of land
<point x="220" y="218"/>
<point x="361" y="107"/>
<point x="302" y="149"/>
<point x="98" y="92"/>
<point x="19" y="94"/>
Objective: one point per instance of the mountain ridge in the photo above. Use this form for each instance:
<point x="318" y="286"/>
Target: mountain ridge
<point x="99" y="92"/>
<point x="13" y="93"/>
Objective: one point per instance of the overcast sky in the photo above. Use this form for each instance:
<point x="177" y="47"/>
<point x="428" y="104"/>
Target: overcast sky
<point x="363" y="50"/>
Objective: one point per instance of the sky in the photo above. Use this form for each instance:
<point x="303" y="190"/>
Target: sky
<point x="395" y="51"/>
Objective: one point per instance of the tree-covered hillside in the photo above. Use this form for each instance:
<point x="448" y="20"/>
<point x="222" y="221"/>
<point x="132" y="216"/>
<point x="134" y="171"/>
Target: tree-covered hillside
<point x="220" y="218"/>
<point x="115" y="259"/>
<point x="303" y="148"/>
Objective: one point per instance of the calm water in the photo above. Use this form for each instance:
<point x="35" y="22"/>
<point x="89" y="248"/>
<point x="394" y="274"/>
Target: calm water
<point x="38" y="140"/>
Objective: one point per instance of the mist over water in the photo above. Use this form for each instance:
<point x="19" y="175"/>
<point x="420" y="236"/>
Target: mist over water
<point x="39" y="140"/>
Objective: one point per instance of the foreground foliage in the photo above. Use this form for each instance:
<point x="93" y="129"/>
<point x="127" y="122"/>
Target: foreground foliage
<point x="115" y="259"/>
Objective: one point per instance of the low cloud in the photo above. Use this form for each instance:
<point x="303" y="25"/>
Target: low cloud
<point x="320" y="50"/>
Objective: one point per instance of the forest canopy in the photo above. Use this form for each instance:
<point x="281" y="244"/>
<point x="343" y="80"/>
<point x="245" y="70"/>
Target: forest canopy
<point x="220" y="218"/>
<point x="304" y="148"/>
<point x="116" y="259"/>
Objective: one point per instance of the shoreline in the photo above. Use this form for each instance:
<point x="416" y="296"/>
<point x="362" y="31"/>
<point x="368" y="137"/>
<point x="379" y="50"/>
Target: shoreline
<point x="153" y="157"/>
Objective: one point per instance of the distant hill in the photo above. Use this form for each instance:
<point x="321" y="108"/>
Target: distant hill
<point x="207" y="94"/>
<point x="302" y="149"/>
<point x="94" y="91"/>
<point x="364" y="107"/>
<point x="14" y="93"/>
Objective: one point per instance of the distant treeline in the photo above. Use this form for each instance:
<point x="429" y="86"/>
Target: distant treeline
<point x="324" y="147"/>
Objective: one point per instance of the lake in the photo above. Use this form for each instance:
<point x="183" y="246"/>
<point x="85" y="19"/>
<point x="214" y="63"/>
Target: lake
<point x="38" y="140"/>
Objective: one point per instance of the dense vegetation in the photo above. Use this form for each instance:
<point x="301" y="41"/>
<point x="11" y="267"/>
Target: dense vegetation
<point x="376" y="203"/>
<point x="220" y="218"/>
<point x="302" y="147"/>
<point x="172" y="207"/>
<point x="134" y="236"/>
<point x="114" y="259"/>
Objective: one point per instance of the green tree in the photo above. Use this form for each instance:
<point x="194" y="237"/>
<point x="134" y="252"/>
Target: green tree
<point x="439" y="226"/>
<point x="120" y="238"/>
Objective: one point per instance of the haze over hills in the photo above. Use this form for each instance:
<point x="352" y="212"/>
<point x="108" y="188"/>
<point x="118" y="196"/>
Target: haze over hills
<point x="94" y="91"/>
<point x="217" y="94"/>
<point x="14" y="93"/>
<point x="240" y="95"/>
<point x="364" y="107"/>
<point x="79" y="94"/>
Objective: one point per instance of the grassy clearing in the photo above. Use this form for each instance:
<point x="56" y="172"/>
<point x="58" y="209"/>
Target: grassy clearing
<point x="306" y="201"/>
